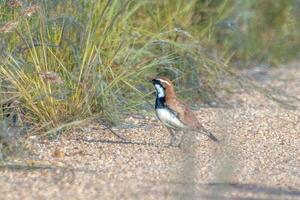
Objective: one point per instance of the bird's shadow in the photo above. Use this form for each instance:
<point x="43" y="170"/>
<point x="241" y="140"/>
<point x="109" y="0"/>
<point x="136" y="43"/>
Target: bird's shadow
<point x="122" y="140"/>
<point x="126" y="142"/>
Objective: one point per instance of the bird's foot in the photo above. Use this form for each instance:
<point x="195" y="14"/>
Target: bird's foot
<point x="175" y="142"/>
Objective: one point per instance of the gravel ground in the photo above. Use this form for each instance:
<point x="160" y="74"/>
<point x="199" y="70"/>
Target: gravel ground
<point x="258" y="157"/>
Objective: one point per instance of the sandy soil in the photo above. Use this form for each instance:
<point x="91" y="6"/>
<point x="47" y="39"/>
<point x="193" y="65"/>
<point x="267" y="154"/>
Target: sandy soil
<point x="258" y="157"/>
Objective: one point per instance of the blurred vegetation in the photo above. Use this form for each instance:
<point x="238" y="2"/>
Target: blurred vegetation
<point x="66" y="61"/>
<point x="263" y="31"/>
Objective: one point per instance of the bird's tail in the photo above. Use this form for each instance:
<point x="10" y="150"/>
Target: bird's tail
<point x="208" y="134"/>
<point x="212" y="137"/>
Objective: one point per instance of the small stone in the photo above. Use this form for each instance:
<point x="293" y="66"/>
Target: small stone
<point x="58" y="153"/>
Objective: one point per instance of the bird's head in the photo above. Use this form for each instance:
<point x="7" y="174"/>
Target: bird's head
<point x="163" y="86"/>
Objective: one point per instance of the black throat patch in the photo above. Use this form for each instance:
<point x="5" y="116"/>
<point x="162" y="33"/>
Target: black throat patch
<point x="160" y="102"/>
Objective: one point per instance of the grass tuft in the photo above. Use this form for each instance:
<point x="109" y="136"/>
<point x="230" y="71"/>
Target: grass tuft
<point x="64" y="63"/>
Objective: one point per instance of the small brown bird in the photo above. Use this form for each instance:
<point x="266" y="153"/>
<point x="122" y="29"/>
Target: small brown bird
<point x="173" y="113"/>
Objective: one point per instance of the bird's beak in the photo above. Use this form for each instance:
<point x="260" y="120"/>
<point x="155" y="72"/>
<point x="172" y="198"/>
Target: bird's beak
<point x="149" y="79"/>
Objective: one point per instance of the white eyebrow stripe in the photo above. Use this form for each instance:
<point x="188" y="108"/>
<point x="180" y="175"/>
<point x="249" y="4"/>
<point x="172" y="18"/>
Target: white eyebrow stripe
<point x="164" y="81"/>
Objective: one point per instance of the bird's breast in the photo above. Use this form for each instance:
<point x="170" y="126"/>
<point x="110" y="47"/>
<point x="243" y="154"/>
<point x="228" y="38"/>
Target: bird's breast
<point x="169" y="118"/>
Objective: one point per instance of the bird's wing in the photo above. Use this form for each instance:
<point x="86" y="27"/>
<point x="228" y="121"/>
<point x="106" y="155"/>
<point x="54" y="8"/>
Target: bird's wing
<point x="191" y="119"/>
<point x="187" y="117"/>
<point x="195" y="125"/>
<point x="182" y="111"/>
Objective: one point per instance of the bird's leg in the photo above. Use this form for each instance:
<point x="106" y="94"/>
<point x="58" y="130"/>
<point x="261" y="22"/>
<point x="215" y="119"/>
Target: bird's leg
<point x="175" y="142"/>
<point x="180" y="137"/>
<point x="173" y="136"/>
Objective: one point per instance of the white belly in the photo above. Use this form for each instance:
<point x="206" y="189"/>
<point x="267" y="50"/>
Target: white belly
<point x="169" y="119"/>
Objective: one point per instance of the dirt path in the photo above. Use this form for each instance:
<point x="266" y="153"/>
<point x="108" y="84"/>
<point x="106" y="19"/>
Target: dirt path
<point x="259" y="157"/>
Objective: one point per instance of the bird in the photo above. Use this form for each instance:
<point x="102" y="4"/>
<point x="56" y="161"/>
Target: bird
<point x="174" y="113"/>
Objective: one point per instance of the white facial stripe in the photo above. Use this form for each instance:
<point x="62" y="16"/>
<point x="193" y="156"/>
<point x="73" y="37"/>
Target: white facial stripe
<point x="160" y="91"/>
<point x="164" y="82"/>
